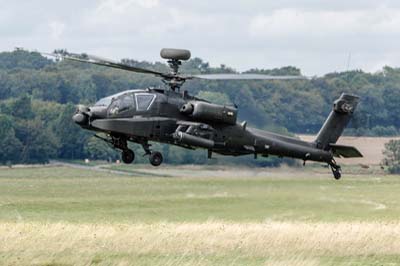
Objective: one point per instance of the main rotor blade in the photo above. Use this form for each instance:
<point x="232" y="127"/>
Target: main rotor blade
<point x="91" y="59"/>
<point x="245" y="77"/>
<point x="85" y="58"/>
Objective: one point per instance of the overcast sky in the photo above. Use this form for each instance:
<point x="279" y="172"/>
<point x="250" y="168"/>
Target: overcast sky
<point x="316" y="36"/>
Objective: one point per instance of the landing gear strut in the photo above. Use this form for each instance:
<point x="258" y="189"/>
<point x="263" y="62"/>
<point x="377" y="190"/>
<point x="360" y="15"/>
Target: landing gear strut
<point x="336" y="170"/>
<point x="155" y="157"/>
<point x="127" y="155"/>
<point x="121" y="143"/>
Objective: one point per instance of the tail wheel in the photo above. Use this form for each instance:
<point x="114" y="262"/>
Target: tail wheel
<point x="336" y="170"/>
<point x="128" y="156"/>
<point x="337" y="174"/>
<point x="156" y="158"/>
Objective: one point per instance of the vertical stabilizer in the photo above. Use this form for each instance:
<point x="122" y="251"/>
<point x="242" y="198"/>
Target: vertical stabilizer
<point x="343" y="109"/>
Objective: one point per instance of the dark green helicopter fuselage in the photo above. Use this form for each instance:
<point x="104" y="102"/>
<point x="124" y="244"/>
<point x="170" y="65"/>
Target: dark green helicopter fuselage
<point x="176" y="118"/>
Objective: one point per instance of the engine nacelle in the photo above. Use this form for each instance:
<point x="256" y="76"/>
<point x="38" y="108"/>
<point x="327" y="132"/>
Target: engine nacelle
<point x="210" y="112"/>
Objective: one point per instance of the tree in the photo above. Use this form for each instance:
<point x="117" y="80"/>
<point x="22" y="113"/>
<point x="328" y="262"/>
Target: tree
<point x="39" y="144"/>
<point x="71" y="137"/>
<point x="22" y="108"/>
<point x="99" y="150"/>
<point x="10" y="146"/>
<point x="392" y="156"/>
<point x="23" y="59"/>
<point x="102" y="83"/>
<point x="215" y="97"/>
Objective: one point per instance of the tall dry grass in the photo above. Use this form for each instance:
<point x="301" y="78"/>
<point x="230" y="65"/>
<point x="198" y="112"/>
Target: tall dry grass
<point x="300" y="243"/>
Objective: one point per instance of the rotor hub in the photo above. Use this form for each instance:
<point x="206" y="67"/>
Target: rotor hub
<point x="175" y="58"/>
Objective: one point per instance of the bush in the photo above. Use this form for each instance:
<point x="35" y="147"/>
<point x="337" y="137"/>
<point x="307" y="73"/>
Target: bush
<point x="392" y="156"/>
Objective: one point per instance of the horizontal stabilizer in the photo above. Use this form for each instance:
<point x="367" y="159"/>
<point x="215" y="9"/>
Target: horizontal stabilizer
<point x="345" y="151"/>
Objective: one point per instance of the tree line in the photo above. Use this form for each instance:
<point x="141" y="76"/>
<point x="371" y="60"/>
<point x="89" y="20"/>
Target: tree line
<point x="38" y="98"/>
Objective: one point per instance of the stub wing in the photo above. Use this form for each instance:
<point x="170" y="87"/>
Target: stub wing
<point x="345" y="151"/>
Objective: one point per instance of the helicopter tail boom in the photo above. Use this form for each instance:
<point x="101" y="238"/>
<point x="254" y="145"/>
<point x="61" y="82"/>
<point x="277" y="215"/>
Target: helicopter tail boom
<point x="343" y="109"/>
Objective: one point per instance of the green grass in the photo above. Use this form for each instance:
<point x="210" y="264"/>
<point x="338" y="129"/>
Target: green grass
<point x="42" y="197"/>
<point x="74" y="195"/>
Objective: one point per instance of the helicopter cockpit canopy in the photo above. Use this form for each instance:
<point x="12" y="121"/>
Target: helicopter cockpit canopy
<point x="144" y="101"/>
<point x="122" y="104"/>
<point x="127" y="102"/>
<point x="105" y="102"/>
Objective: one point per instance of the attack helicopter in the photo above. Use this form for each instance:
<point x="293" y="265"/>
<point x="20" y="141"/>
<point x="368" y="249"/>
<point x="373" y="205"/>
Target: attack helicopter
<point x="173" y="117"/>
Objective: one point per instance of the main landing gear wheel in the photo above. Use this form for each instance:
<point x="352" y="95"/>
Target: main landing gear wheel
<point x="128" y="156"/>
<point x="156" y="158"/>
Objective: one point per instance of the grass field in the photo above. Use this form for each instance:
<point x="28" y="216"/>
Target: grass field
<point x="195" y="216"/>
